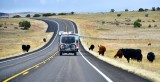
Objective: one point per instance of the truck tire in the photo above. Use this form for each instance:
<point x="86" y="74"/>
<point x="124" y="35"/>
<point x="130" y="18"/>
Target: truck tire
<point x="75" y="53"/>
<point x="60" y="53"/>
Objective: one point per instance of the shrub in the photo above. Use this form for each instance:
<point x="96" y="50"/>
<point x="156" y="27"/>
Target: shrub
<point x="103" y="22"/>
<point x="118" y="15"/>
<point x="28" y="15"/>
<point x="155" y="26"/>
<point x="117" y="23"/>
<point x="0" y="25"/>
<point x="36" y="15"/>
<point x="153" y="21"/>
<point x="146" y="9"/>
<point x="17" y="16"/>
<point x="138" y="20"/>
<point x="15" y="27"/>
<point x="47" y="14"/>
<point x="149" y="26"/>
<point x="25" y="24"/>
<point x="62" y="13"/>
<point x="53" y="14"/>
<point x="146" y="15"/>
<point x="141" y="9"/>
<point x="127" y="19"/>
<point x="137" y="24"/>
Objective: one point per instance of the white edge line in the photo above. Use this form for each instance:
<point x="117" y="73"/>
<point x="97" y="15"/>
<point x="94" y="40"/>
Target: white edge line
<point x="101" y="73"/>
<point x="39" y="50"/>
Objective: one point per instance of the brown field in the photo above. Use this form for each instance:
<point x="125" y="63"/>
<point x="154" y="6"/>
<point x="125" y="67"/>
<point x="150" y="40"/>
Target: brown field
<point x="12" y="36"/>
<point x="119" y="32"/>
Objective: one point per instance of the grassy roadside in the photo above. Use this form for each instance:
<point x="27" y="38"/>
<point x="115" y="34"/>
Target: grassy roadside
<point x="12" y="36"/>
<point x="103" y="25"/>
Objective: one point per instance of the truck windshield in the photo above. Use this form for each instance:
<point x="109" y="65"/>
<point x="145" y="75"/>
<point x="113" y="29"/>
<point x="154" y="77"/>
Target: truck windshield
<point x="68" y="39"/>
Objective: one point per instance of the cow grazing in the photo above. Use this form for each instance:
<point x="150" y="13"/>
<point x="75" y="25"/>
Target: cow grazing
<point x="134" y="54"/>
<point x="44" y="39"/>
<point x="102" y="49"/>
<point x="91" y="47"/>
<point x="151" y="56"/>
<point x="25" y="47"/>
<point x="149" y="44"/>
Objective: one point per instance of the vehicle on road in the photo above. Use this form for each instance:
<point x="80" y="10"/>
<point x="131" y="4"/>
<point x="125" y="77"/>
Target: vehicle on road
<point x="69" y="43"/>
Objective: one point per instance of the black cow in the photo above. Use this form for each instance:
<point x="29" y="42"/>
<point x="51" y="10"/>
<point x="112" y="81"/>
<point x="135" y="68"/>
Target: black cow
<point x="134" y="54"/>
<point x="91" y="47"/>
<point x="151" y="56"/>
<point x="44" y="39"/>
<point x="25" y="47"/>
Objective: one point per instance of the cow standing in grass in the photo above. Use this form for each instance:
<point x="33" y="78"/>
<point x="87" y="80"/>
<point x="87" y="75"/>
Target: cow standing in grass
<point x="102" y="49"/>
<point x="26" y="47"/>
<point x="91" y="47"/>
<point x="151" y="56"/>
<point x="134" y="54"/>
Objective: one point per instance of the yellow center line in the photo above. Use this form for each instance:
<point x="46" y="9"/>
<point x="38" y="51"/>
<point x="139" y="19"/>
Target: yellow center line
<point x="27" y="70"/>
<point x="65" y="26"/>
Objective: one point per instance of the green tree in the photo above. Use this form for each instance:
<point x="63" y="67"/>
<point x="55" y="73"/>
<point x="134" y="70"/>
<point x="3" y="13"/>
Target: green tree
<point x="25" y="24"/>
<point x="158" y="8"/>
<point x="126" y="10"/>
<point x="62" y="13"/>
<point x="17" y="16"/>
<point x="112" y="10"/>
<point x="141" y="9"/>
<point x="36" y="15"/>
<point x="72" y="13"/>
<point x="53" y="14"/>
<point x="153" y="9"/>
<point x="28" y="15"/>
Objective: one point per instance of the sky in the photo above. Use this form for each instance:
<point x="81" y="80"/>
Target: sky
<point x="12" y="6"/>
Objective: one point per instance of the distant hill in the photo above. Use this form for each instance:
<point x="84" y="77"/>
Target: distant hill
<point x="4" y="14"/>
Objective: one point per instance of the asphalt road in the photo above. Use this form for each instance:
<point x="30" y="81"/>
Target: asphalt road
<point x="46" y="65"/>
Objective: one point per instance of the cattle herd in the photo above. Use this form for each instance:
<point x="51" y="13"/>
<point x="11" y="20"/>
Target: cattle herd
<point x="128" y="53"/>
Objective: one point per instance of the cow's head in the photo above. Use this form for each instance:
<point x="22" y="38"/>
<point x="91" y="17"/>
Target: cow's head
<point x="119" y="54"/>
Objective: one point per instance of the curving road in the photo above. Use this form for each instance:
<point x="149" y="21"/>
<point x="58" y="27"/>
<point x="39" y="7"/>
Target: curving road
<point x="45" y="64"/>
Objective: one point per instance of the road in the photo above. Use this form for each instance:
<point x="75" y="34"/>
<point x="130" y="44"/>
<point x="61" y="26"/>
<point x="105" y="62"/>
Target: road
<point x="46" y="65"/>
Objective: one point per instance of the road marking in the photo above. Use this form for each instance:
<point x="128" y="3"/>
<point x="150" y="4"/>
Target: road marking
<point x="65" y="26"/>
<point x="37" y="66"/>
<point x="27" y="70"/>
<point x="73" y="26"/>
<point x="37" y="51"/>
<point x="100" y="72"/>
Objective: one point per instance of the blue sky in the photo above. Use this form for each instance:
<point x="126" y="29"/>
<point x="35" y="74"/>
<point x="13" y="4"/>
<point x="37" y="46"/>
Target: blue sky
<point x="11" y="6"/>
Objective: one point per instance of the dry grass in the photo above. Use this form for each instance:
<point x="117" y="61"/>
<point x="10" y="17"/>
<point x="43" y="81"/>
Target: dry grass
<point x="103" y="25"/>
<point x="12" y="37"/>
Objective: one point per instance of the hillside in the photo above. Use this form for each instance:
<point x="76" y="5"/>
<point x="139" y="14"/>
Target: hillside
<point x="119" y="32"/>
